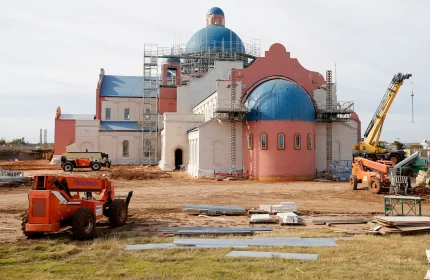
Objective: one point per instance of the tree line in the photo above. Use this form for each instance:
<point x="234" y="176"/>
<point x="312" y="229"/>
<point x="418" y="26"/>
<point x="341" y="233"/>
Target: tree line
<point x="14" y="142"/>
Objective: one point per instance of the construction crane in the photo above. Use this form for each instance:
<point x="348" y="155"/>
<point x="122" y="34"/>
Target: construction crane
<point x="372" y="148"/>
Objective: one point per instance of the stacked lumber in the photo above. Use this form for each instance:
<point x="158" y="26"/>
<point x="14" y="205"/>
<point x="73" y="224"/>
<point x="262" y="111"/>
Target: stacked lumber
<point x="403" y="224"/>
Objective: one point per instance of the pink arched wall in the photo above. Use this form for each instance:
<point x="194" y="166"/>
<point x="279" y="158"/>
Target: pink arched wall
<point x="273" y="164"/>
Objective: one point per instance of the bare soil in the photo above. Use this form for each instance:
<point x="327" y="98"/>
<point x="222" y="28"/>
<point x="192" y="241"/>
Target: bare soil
<point x="158" y="198"/>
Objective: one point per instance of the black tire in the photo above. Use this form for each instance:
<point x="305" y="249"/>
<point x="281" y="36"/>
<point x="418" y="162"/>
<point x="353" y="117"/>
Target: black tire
<point x="353" y="182"/>
<point x="375" y="186"/>
<point x="372" y="157"/>
<point x="84" y="224"/>
<point x="395" y="158"/>
<point x="96" y="166"/>
<point x="68" y="167"/>
<point x="29" y="235"/>
<point x="118" y="211"/>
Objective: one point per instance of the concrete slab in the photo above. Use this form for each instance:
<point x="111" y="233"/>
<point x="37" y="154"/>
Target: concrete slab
<point x="254" y="254"/>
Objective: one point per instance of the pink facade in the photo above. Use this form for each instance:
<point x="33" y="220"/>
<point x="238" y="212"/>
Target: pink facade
<point x="274" y="163"/>
<point x="355" y="117"/>
<point x="278" y="62"/>
<point x="64" y="133"/>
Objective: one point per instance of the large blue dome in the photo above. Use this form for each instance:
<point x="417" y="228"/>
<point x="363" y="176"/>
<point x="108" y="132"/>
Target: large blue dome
<point x="215" y="38"/>
<point x="279" y="99"/>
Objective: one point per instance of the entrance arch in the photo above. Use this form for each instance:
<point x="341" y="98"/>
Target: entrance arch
<point x="178" y="158"/>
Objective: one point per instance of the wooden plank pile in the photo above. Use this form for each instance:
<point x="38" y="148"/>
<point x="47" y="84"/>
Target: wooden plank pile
<point x="402" y="224"/>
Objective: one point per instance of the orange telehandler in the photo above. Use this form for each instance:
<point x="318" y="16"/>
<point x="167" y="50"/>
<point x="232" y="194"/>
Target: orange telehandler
<point x="374" y="173"/>
<point x="55" y="203"/>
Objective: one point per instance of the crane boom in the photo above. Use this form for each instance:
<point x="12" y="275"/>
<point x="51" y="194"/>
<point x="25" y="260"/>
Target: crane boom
<point x="378" y="119"/>
<point x="373" y="131"/>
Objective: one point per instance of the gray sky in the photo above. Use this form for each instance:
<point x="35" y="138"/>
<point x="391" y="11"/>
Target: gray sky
<point x="51" y="52"/>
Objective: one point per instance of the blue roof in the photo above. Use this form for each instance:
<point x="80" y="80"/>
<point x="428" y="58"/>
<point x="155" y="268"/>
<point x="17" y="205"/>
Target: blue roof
<point x="215" y="11"/>
<point x="173" y="59"/>
<point x="120" y="125"/>
<point x="215" y="38"/>
<point x="279" y="99"/>
<point x="123" y="86"/>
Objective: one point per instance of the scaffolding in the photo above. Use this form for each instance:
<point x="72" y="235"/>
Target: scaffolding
<point x="150" y="104"/>
<point x="233" y="123"/>
<point x="196" y="61"/>
<point x="328" y="114"/>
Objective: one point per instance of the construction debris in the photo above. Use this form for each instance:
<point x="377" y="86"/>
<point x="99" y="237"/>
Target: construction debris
<point x="263" y="219"/>
<point x="352" y="221"/>
<point x="214" y="210"/>
<point x="254" y="254"/>
<point x="7" y="176"/>
<point x="290" y="218"/>
<point x="284" y="207"/>
<point x="403" y="224"/>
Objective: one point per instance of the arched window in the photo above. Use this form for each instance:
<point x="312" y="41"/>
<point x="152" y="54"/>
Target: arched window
<point x="263" y="141"/>
<point x="250" y="141"/>
<point x="310" y="143"/>
<point x="125" y="148"/>
<point x="281" y="141"/>
<point x="297" y="141"/>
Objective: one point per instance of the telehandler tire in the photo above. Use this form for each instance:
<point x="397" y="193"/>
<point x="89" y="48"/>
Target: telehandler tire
<point x="68" y="167"/>
<point x="84" y="224"/>
<point x="29" y="235"/>
<point x="375" y="186"/>
<point x="118" y="213"/>
<point x="96" y="166"/>
<point x="353" y="182"/>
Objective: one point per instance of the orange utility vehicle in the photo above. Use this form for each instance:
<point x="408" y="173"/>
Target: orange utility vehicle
<point x="55" y="202"/>
<point x="374" y="173"/>
<point x="93" y="160"/>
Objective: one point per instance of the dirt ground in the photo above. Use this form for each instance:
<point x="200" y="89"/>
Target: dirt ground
<point x="158" y="198"/>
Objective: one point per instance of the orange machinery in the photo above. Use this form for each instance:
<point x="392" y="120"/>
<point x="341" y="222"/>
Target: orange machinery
<point x="374" y="173"/>
<point x="55" y="202"/>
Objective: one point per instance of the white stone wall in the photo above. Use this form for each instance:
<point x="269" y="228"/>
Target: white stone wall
<point x="175" y="136"/>
<point x="193" y="153"/>
<point x="320" y="96"/>
<point x="111" y="142"/>
<point x="344" y="137"/>
<point x="214" y="149"/>
<point x="86" y="137"/>
<point x="199" y="89"/>
<point x="219" y="99"/>
<point x="118" y="104"/>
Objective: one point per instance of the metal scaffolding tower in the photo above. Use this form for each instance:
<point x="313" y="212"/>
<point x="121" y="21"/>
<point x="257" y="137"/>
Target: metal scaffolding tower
<point x="328" y="114"/>
<point x="150" y="104"/>
<point x="233" y="123"/>
<point x="329" y="127"/>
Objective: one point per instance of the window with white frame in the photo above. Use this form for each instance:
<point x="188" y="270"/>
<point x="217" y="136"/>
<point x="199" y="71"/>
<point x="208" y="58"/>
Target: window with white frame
<point x="297" y="141"/>
<point x="107" y="113"/>
<point x="250" y="141"/>
<point x="310" y="141"/>
<point x="126" y="113"/>
<point x="281" y="141"/>
<point x="263" y="141"/>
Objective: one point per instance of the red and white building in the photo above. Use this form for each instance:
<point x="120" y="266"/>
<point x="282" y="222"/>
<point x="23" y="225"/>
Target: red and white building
<point x="279" y="136"/>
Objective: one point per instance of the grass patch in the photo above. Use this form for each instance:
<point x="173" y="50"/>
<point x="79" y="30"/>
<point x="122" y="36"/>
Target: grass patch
<point x="365" y="257"/>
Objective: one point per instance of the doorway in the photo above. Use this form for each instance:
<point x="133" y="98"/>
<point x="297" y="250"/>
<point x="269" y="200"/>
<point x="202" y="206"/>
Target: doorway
<point x="178" y="158"/>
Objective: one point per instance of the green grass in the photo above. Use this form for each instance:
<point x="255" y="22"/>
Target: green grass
<point x="365" y="257"/>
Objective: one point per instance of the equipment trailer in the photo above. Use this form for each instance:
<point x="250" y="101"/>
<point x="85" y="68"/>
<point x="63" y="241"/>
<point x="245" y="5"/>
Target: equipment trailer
<point x="55" y="203"/>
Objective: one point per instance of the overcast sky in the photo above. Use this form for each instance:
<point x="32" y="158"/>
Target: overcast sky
<point x="51" y="52"/>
